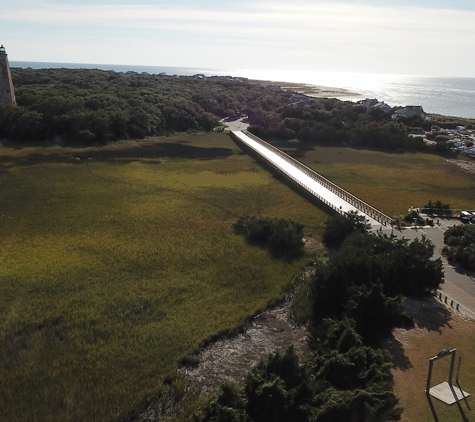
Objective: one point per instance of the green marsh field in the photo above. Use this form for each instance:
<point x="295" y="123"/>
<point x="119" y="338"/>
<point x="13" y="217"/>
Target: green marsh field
<point x="113" y="269"/>
<point x="117" y="262"/>
<point x="392" y="182"/>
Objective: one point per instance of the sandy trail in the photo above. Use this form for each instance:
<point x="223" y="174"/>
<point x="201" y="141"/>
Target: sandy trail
<point x="231" y="359"/>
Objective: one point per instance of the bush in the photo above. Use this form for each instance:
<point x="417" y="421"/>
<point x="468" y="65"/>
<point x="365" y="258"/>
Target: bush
<point x="282" y="237"/>
<point x="339" y="227"/>
<point x="227" y="405"/>
<point x="277" y="389"/>
<point x="437" y="208"/>
<point x="460" y="246"/>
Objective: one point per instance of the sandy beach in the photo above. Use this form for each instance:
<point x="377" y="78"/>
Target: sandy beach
<point x="317" y="91"/>
<point x="322" y="91"/>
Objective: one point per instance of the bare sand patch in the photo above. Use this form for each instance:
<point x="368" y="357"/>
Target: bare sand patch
<point x="231" y="359"/>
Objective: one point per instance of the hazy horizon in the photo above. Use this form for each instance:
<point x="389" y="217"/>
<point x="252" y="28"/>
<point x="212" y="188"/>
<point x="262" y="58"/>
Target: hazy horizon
<point x="419" y="37"/>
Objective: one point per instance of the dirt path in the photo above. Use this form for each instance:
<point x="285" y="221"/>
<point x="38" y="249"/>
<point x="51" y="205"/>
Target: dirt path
<point x="468" y="166"/>
<point x="230" y="359"/>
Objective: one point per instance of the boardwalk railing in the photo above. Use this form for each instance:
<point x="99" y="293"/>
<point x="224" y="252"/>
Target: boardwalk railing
<point x="337" y="190"/>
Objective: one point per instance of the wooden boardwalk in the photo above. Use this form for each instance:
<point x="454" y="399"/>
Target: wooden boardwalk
<point x="448" y="393"/>
<point x="320" y="187"/>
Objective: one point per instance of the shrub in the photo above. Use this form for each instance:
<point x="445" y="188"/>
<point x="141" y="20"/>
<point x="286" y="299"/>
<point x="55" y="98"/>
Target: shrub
<point x="282" y="237"/>
<point x="437" y="208"/>
<point x="339" y="227"/>
<point x="460" y="246"/>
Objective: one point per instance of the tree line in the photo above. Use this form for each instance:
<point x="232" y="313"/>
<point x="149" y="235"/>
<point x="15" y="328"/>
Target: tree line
<point x="91" y="106"/>
<point x="325" y="121"/>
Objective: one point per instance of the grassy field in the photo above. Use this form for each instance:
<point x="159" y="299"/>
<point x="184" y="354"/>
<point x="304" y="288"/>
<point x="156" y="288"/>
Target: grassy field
<point x="115" y="268"/>
<point x="393" y="182"/>
<point x="117" y="262"/>
<point x="436" y="330"/>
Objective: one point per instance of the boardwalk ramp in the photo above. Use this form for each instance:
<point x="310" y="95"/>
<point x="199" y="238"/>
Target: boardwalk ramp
<point x="323" y="189"/>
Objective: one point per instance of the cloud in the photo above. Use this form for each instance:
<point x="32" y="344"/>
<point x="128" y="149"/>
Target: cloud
<point x="264" y="20"/>
<point x="339" y="30"/>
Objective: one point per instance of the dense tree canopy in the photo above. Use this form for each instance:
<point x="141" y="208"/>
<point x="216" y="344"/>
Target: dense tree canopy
<point x="94" y="106"/>
<point x="343" y="381"/>
<point x="366" y="277"/>
<point x="91" y="106"/>
<point x="326" y="121"/>
<point x="339" y="227"/>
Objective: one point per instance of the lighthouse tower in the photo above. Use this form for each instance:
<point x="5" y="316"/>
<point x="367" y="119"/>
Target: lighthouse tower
<point x="7" y="94"/>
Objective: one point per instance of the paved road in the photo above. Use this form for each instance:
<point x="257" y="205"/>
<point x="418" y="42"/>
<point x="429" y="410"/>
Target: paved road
<point x="236" y="124"/>
<point x="459" y="285"/>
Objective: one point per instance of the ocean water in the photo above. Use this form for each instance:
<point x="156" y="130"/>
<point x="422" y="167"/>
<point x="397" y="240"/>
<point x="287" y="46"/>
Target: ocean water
<point x="446" y="96"/>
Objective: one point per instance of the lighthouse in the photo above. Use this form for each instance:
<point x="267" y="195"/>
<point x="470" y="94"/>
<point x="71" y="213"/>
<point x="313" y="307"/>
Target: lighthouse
<point x="7" y="94"/>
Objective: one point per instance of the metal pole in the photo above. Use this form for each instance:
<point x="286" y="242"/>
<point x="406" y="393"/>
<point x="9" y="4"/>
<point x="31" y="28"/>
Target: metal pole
<point x="458" y="370"/>
<point x="429" y="376"/>
<point x="452" y="364"/>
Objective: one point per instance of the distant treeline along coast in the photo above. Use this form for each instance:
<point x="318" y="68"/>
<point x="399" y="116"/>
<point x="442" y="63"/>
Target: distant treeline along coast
<point x="91" y="106"/>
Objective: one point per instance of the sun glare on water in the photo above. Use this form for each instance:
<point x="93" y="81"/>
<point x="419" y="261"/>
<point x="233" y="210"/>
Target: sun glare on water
<point x="362" y="83"/>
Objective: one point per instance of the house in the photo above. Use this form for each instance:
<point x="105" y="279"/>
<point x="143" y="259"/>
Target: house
<point x="383" y="106"/>
<point x="368" y="102"/>
<point x="300" y="100"/>
<point x="273" y="87"/>
<point x="410" y="111"/>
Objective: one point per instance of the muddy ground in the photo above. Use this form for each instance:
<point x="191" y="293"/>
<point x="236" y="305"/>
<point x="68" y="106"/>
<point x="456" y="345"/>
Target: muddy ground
<point x="231" y="359"/>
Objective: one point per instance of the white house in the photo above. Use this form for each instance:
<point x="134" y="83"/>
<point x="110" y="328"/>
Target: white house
<point x="410" y="111"/>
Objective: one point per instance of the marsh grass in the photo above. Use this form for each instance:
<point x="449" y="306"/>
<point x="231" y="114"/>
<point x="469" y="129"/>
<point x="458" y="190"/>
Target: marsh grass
<point x="393" y="182"/>
<point x="116" y="263"/>
<point x="115" y="268"/>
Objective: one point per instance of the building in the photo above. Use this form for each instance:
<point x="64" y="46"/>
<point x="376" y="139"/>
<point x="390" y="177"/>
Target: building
<point x="383" y="106"/>
<point x="7" y="94"/>
<point x="410" y="111"/>
<point x="368" y="102"/>
<point x="273" y="87"/>
<point x="301" y="100"/>
<point x="374" y="102"/>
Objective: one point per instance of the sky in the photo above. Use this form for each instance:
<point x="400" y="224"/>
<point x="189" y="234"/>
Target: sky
<point x="411" y="37"/>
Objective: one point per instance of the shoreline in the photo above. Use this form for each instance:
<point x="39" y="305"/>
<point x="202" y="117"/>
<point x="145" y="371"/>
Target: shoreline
<point x="316" y="91"/>
<point x="447" y="96"/>
<point x="320" y="91"/>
